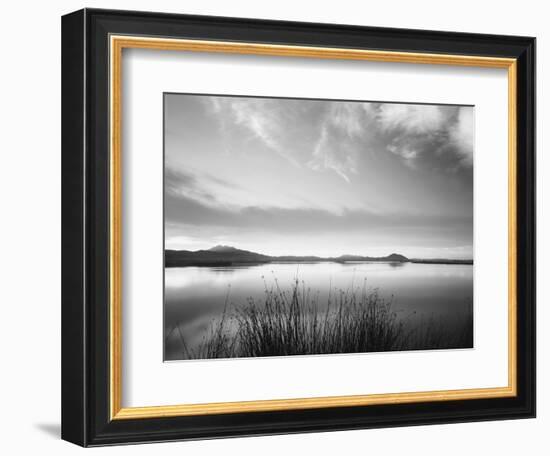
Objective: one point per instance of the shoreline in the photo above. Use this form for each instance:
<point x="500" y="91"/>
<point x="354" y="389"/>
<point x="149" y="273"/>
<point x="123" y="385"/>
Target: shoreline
<point x="207" y="264"/>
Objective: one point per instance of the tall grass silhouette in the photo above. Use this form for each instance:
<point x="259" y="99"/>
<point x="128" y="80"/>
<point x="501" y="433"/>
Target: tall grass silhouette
<point x="292" y="322"/>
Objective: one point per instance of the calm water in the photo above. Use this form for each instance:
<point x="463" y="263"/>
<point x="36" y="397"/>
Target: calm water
<point x="196" y="296"/>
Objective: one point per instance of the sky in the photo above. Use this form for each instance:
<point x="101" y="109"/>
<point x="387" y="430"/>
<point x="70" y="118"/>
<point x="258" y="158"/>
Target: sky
<point x="318" y="177"/>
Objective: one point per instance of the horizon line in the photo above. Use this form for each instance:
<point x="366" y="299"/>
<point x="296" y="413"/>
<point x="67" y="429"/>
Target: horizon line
<point x="319" y="256"/>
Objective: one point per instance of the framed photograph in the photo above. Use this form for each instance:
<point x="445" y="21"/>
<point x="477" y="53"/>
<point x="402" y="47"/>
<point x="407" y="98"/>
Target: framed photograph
<point x="279" y="227"/>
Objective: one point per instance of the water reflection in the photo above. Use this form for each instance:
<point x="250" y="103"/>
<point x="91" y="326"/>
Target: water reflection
<point x="195" y="297"/>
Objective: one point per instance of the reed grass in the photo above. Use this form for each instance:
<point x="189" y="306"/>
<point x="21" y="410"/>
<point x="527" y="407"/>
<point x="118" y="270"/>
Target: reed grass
<point x="292" y="322"/>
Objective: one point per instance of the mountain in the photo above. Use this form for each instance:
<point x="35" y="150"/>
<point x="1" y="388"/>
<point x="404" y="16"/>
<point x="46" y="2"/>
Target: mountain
<point x="397" y="257"/>
<point x="220" y="255"/>
<point x="224" y="249"/>
<point x="224" y="255"/>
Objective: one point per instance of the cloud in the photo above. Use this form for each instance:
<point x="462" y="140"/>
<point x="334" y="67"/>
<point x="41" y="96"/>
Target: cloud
<point x="325" y="174"/>
<point x="406" y="152"/>
<point x="199" y="187"/>
<point x="434" y="137"/>
<point x="415" y="119"/>
<point x="335" y="136"/>
<point x="421" y="136"/>
<point x="332" y="153"/>
<point x="462" y="135"/>
<point x="345" y="132"/>
<point x="189" y="211"/>
<point x="267" y="120"/>
<point x="348" y="117"/>
<point x="320" y="135"/>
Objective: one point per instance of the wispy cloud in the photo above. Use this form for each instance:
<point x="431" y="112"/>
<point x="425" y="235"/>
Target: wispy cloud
<point x="429" y="136"/>
<point x="408" y="153"/>
<point x="322" y="136"/>
<point x="462" y="135"/>
<point x="332" y="154"/>
<point x="412" y="119"/>
<point x="265" y="119"/>
<point x="348" y="117"/>
<point x="186" y="210"/>
<point x="282" y="175"/>
<point x="200" y="187"/>
<point x="332" y="136"/>
<point x="344" y="133"/>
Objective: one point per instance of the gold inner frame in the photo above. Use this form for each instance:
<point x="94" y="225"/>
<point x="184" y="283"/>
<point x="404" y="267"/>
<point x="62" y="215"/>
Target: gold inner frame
<point x="117" y="44"/>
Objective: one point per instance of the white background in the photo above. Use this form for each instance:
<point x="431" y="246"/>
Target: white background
<point x="30" y="193"/>
<point x="147" y="74"/>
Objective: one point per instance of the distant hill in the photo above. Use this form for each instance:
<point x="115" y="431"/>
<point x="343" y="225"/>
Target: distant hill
<point x="224" y="255"/>
<point x="394" y="257"/>
<point x="397" y="257"/>
<point x="220" y="255"/>
<point x="224" y="249"/>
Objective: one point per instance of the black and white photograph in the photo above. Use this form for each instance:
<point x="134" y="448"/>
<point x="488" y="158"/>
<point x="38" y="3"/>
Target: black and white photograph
<point x="309" y="227"/>
<point x="277" y="222"/>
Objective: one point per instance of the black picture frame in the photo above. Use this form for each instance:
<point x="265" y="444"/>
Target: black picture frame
<point x="85" y="227"/>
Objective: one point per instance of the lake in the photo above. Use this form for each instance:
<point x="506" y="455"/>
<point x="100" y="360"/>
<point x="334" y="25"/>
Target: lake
<point x="195" y="297"/>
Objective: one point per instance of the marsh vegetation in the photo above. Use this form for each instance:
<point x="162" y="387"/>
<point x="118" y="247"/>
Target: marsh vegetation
<point x="293" y="320"/>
